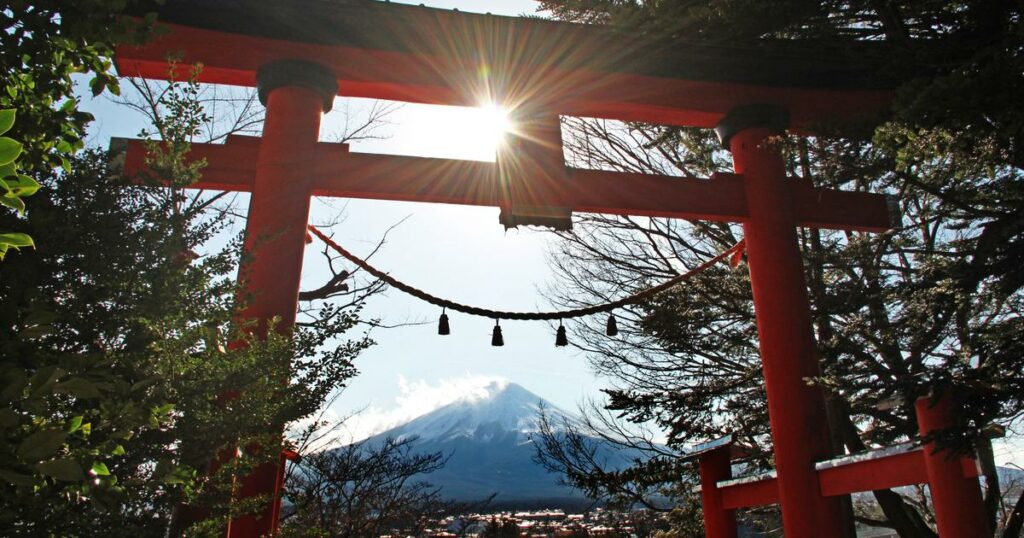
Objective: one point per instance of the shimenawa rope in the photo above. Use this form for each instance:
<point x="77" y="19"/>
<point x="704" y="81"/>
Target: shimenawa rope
<point x="735" y="252"/>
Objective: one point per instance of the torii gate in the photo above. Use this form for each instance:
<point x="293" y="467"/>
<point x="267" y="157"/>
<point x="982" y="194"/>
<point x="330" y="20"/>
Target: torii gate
<point x="302" y="53"/>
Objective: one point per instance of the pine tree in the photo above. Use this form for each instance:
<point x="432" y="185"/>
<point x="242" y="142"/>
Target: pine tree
<point x="934" y="305"/>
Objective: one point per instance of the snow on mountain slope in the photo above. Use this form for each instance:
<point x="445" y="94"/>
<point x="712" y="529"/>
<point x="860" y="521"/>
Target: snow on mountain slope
<point x="488" y="439"/>
<point x="502" y="407"/>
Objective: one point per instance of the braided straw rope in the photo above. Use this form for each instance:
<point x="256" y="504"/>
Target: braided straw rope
<point x="734" y="252"/>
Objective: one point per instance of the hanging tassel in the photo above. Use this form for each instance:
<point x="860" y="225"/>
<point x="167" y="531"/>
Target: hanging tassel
<point x="496" y="338"/>
<point x="561" y="340"/>
<point x="613" y="327"/>
<point x="442" y="324"/>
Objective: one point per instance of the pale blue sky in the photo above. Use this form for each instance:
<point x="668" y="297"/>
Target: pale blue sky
<point x="457" y="252"/>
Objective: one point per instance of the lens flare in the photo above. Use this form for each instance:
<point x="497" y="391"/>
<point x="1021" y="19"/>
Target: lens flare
<point x="494" y="124"/>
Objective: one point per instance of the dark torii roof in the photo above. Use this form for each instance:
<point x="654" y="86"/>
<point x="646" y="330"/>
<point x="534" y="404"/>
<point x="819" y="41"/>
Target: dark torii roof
<point x="419" y="54"/>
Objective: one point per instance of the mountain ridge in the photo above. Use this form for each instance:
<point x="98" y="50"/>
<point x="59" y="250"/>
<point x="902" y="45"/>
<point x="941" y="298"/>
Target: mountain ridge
<point x="503" y="406"/>
<point x="488" y="439"/>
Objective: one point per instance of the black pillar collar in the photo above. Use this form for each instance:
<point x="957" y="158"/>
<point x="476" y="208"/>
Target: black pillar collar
<point x="749" y="116"/>
<point x="280" y="73"/>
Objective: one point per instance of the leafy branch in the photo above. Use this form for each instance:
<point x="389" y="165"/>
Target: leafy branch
<point x="14" y="186"/>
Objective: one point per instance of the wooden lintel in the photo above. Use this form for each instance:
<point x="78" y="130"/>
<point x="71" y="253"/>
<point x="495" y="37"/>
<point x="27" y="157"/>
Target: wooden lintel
<point x="230" y="166"/>
<point x="747" y="494"/>
<point x="415" y="54"/>
<point x="891" y="471"/>
<point x="339" y="173"/>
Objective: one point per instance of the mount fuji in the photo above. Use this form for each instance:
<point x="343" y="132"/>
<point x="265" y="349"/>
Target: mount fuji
<point x="489" y="439"/>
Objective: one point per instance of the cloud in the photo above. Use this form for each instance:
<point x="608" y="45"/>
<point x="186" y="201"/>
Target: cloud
<point x="416" y="397"/>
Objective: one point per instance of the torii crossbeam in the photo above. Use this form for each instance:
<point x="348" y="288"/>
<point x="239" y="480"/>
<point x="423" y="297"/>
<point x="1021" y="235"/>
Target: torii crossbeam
<point x="302" y="53"/>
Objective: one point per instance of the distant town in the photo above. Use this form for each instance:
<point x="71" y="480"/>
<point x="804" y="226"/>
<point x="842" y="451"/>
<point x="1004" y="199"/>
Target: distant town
<point x="546" y="524"/>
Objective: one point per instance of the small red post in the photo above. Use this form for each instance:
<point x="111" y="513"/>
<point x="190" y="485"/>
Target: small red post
<point x="959" y="509"/>
<point x="715" y="466"/>
<point x="296" y="95"/>
<point x="531" y="165"/>
<point x="788" y="352"/>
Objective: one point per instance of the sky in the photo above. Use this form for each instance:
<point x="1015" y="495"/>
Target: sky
<point x="456" y="252"/>
<point x="459" y="253"/>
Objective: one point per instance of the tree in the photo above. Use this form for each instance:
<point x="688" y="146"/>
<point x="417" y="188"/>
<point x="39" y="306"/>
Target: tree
<point x="364" y="490"/>
<point x="934" y="305"/>
<point x="43" y="46"/>
<point x="115" y="358"/>
<point x="115" y="362"/>
<point x="14" y="186"/>
<point x="500" y="528"/>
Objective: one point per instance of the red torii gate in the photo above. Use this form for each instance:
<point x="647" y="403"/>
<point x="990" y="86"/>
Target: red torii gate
<point x="301" y="54"/>
<point x="952" y="480"/>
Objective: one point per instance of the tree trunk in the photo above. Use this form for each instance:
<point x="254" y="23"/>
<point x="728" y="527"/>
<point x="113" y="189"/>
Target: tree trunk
<point x="906" y="521"/>
<point x="1015" y="522"/>
<point x="993" y="493"/>
<point x="834" y="409"/>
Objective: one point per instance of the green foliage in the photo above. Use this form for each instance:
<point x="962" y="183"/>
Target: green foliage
<point x="43" y="46"/>
<point x="75" y="340"/>
<point x="15" y="186"/>
<point x="123" y="369"/>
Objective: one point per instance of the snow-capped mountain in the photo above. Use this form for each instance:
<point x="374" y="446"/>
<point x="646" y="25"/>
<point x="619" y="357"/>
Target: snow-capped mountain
<point x="489" y="438"/>
<point x="500" y="407"/>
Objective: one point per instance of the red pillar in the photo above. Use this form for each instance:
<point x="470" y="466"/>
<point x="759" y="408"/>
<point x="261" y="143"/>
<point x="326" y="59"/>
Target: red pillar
<point x="296" y="94"/>
<point x="788" y="354"/>
<point x="959" y="509"/>
<point x="715" y="466"/>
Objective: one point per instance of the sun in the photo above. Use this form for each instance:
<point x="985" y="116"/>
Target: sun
<point x="452" y="132"/>
<point x="490" y="125"/>
<point x="495" y="119"/>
